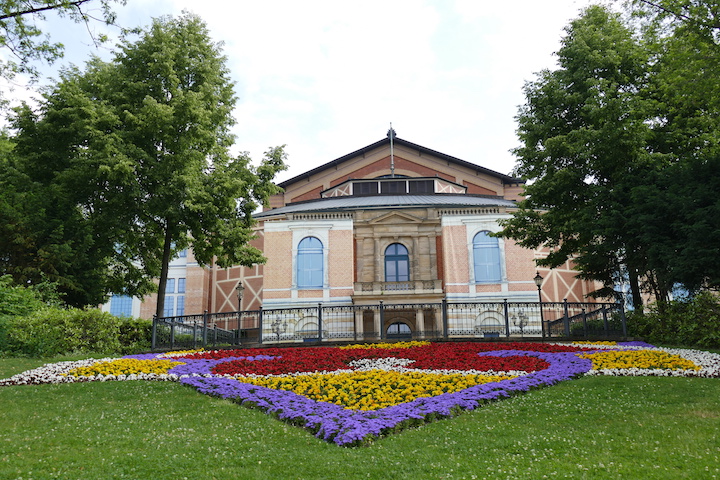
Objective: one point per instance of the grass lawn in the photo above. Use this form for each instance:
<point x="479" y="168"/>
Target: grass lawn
<point x="593" y="427"/>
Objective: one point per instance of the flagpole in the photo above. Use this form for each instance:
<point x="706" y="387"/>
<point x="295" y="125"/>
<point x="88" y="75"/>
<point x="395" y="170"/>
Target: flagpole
<point x="392" y="154"/>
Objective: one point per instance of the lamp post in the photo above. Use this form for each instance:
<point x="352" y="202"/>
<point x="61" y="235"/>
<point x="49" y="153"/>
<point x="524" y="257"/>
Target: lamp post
<point x="538" y="281"/>
<point x="240" y="289"/>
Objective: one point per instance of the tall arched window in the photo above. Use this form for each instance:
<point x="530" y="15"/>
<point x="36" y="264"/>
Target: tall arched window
<point x="486" y="258"/>
<point x="310" y="263"/>
<point x="397" y="263"/>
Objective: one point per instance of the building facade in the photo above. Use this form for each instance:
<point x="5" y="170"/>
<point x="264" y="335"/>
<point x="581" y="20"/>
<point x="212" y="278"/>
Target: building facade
<point x="393" y="222"/>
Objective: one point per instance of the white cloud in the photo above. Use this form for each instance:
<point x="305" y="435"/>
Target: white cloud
<point x="327" y="78"/>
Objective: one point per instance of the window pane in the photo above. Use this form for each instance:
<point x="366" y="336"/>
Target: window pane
<point x="180" y="308"/>
<point x="397" y="263"/>
<point x="422" y="186"/>
<point x="170" y="285"/>
<point x="310" y="263"/>
<point x="392" y="187"/>
<point x="486" y="258"/>
<point x="365" y="188"/>
<point x="121" y="305"/>
<point x="169" y="309"/>
<point x="403" y="271"/>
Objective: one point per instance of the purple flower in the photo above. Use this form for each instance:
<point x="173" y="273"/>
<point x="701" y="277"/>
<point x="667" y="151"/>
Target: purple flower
<point x="352" y="427"/>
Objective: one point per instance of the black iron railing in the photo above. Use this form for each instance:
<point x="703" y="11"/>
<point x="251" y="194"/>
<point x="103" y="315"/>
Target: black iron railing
<point x="364" y="323"/>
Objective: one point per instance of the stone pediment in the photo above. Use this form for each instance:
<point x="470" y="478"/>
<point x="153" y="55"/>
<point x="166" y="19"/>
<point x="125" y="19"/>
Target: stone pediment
<point x="395" y="218"/>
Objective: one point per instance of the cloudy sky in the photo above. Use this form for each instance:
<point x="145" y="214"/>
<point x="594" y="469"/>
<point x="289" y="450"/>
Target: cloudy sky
<point x="326" y="78"/>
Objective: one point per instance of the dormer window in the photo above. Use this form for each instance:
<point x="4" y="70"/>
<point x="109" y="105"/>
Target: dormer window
<point x="397" y="185"/>
<point x="365" y="188"/>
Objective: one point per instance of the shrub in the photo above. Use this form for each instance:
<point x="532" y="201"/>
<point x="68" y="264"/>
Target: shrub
<point x="18" y="300"/>
<point x="135" y="335"/>
<point x="693" y="322"/>
<point x="54" y="331"/>
<point x="597" y="327"/>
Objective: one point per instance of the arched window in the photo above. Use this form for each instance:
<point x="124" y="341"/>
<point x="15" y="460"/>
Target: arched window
<point x="310" y="263"/>
<point x="397" y="263"/>
<point x="486" y="258"/>
<point x="399" y="330"/>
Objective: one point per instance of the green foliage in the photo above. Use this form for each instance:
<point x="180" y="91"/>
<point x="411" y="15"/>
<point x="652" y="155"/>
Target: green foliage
<point x="582" y="132"/>
<point x="135" y="335"/>
<point x="21" y="36"/>
<point x="691" y="322"/>
<point x="16" y="300"/>
<point x="596" y="328"/>
<point x="621" y="146"/>
<point x="54" y="331"/>
<point x="127" y="163"/>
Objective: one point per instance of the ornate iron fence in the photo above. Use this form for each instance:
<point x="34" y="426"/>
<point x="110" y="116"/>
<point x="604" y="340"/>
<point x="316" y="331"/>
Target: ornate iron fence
<point x="388" y="322"/>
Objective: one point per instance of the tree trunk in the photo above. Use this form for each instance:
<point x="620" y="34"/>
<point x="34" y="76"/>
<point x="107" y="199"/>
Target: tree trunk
<point x="167" y="246"/>
<point x="635" y="290"/>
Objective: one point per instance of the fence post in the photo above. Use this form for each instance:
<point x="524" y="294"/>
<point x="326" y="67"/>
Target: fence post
<point x="566" y="318"/>
<point x="153" y="341"/>
<point x="382" y="321"/>
<point x="445" y="318"/>
<point x="506" y="314"/>
<point x="320" y="322"/>
<point x="238" y="338"/>
<point x="260" y="325"/>
<point x="584" y="317"/>
<point x="624" y="321"/>
<point x="205" y="328"/>
<point x="605" y="320"/>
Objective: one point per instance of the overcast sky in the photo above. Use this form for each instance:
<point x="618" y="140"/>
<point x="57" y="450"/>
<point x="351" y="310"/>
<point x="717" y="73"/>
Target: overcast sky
<point x="326" y="78"/>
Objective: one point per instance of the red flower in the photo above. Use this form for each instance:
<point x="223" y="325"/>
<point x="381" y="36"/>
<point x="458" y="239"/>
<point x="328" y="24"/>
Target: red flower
<point x="436" y="356"/>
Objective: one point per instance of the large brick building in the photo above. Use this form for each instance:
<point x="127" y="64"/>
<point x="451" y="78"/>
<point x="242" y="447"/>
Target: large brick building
<point x="394" y="222"/>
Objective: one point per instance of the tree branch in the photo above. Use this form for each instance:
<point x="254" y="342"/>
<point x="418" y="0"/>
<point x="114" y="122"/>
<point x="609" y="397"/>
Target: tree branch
<point x="680" y="15"/>
<point x="76" y="3"/>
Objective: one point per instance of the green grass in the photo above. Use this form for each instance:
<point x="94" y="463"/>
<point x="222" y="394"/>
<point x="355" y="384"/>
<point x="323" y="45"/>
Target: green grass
<point x="594" y="427"/>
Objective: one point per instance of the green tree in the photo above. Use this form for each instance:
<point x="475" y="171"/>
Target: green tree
<point x="21" y="37"/>
<point x="679" y="203"/>
<point x="583" y="131"/>
<point x="137" y="151"/>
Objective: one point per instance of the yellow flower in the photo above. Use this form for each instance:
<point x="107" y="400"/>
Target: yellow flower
<point x="643" y="359"/>
<point x="125" y="366"/>
<point x="374" y="389"/>
<point x="386" y="345"/>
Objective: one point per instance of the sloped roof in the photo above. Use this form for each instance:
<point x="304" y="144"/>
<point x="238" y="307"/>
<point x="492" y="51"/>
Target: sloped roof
<point x="414" y="146"/>
<point x="387" y="201"/>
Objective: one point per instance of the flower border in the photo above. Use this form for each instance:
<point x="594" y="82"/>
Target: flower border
<point x="348" y="427"/>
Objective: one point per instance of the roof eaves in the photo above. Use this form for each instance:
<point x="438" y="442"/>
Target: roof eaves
<point x="420" y="148"/>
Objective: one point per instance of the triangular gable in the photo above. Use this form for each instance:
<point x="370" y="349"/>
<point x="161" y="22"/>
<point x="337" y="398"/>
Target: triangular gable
<point x="398" y="142"/>
<point x="393" y="218"/>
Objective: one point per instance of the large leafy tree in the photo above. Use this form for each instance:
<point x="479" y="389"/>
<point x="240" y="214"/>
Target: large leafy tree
<point x="138" y="149"/>
<point x="619" y="144"/>
<point x="680" y="203"/>
<point x="582" y="131"/>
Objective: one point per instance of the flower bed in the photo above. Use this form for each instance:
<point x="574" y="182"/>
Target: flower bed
<point x="352" y="395"/>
